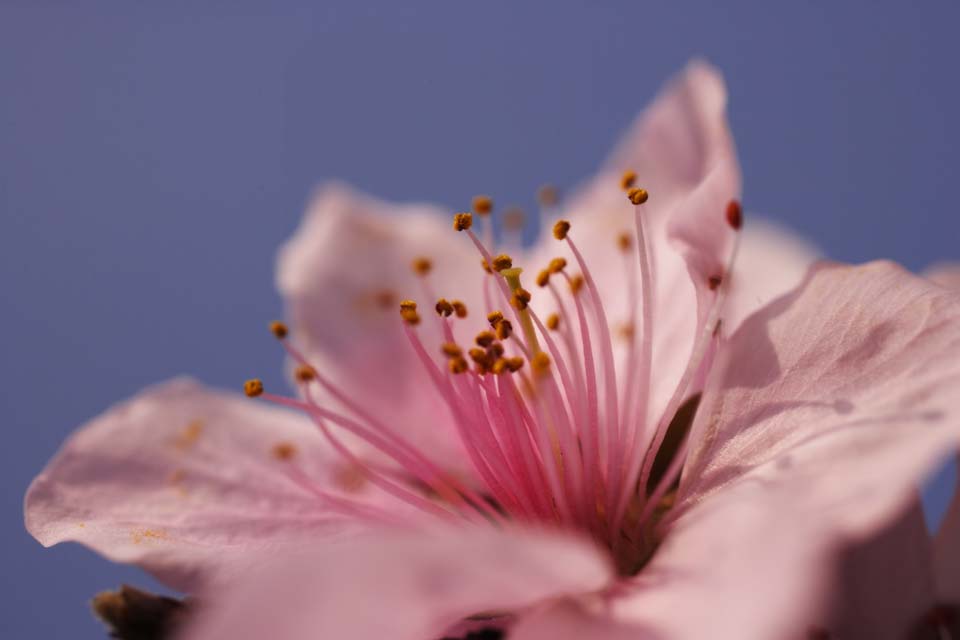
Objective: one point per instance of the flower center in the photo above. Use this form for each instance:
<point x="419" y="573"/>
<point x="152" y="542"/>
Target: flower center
<point x="553" y="436"/>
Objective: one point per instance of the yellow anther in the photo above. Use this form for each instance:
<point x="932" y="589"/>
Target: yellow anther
<point x="253" y="387"/>
<point x="494" y="317"/>
<point x="304" y="373"/>
<point x="482" y="205"/>
<point x="496" y="349"/>
<point x="553" y="321"/>
<point x="543" y="278"/>
<point x="444" y="308"/>
<point x="478" y="355"/>
<point x="557" y="265"/>
<point x="457" y="365"/>
<point x="410" y="316"/>
<point x="462" y="221"/>
<point x="408" y="305"/>
<point x="628" y="179"/>
<point x="521" y="298"/>
<point x="624" y="241"/>
<point x="499" y="366"/>
<point x="486" y="267"/>
<point x="279" y="329"/>
<point x="515" y="364"/>
<point x="486" y="338"/>
<point x="540" y="363"/>
<point x="548" y="195"/>
<point x="576" y="283"/>
<point x="421" y="265"/>
<point x="638" y="196"/>
<point x="561" y="229"/>
<point x="502" y="261"/>
<point x="459" y="308"/>
<point x="504" y="329"/>
<point x="451" y="350"/>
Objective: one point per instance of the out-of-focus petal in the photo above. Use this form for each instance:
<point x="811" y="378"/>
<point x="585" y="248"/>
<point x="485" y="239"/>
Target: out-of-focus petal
<point x="947" y="551"/>
<point x="343" y="275"/>
<point x="571" y="620"/>
<point x="946" y="274"/>
<point x="402" y="587"/>
<point x="182" y="481"/>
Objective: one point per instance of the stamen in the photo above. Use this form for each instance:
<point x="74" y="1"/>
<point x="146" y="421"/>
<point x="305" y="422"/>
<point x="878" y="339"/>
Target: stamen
<point x="421" y="265"/>
<point x="501" y="262"/>
<point x="519" y="301"/>
<point x="457" y="365"/>
<point x="462" y="221"/>
<point x="253" y="388"/>
<point x="553" y="321"/>
<point x="451" y="350"/>
<point x="482" y="205"/>
<point x="278" y="329"/>
<point x="494" y="317"/>
<point x="543" y="278"/>
<point x="305" y="373"/>
<point x="628" y="179"/>
<point x="734" y="215"/>
<point x="459" y="308"/>
<point x="444" y="308"/>
<point x="559" y="264"/>
<point x="485" y="338"/>
<point x="560" y="229"/>
<point x="638" y="196"/>
<point x="521" y="298"/>
<point x="410" y="316"/>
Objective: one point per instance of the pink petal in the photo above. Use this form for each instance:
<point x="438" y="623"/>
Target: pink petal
<point x="570" y="620"/>
<point x="737" y="567"/>
<point x="343" y="275"/>
<point x="860" y="360"/>
<point x="181" y="480"/>
<point x="401" y="587"/>
<point x="946" y="274"/>
<point x="947" y="551"/>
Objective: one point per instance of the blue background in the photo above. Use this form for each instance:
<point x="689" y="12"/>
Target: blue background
<point x="153" y="156"/>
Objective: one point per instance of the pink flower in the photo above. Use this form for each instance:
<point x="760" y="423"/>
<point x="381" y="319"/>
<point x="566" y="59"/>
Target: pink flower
<point x="644" y="438"/>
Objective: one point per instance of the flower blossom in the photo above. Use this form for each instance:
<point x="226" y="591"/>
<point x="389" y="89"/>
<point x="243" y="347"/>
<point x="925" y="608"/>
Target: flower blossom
<point x="656" y="422"/>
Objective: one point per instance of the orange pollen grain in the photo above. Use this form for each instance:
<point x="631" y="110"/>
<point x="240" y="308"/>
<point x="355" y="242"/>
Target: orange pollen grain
<point x="462" y="221"/>
<point x="253" y="387"/>
<point x="502" y="261"/>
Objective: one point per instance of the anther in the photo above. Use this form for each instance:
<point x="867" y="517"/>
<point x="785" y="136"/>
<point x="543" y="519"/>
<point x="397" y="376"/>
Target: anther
<point x="459" y="308"/>
<point x="462" y="221"/>
<point x="408" y="305"/>
<point x="553" y="321"/>
<point x="502" y="261"/>
<point x="486" y="267"/>
<point x="486" y="338"/>
<point x="638" y="196"/>
<point x="482" y="205"/>
<point x="628" y="179"/>
<point x="451" y="350"/>
<point x="521" y="298"/>
<point x="457" y="365"/>
<point x="557" y="265"/>
<point x="624" y="241"/>
<point x="496" y="349"/>
<point x="540" y="363"/>
<point x="410" y="316"/>
<point x="714" y="282"/>
<point x="734" y="215"/>
<point x="478" y="355"/>
<point x="515" y="364"/>
<point x="283" y="451"/>
<point x="444" y="308"/>
<point x="494" y="317"/>
<point x="513" y="218"/>
<point x="576" y="283"/>
<point x="253" y="387"/>
<point x="560" y="229"/>
<point x="499" y="366"/>
<point x="304" y="373"/>
<point x="278" y="329"/>
<point x="543" y="278"/>
<point x="385" y="298"/>
<point x="504" y="329"/>
<point x="548" y="195"/>
<point x="421" y="266"/>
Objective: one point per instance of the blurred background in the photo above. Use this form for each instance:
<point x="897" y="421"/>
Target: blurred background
<point x="153" y="156"/>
